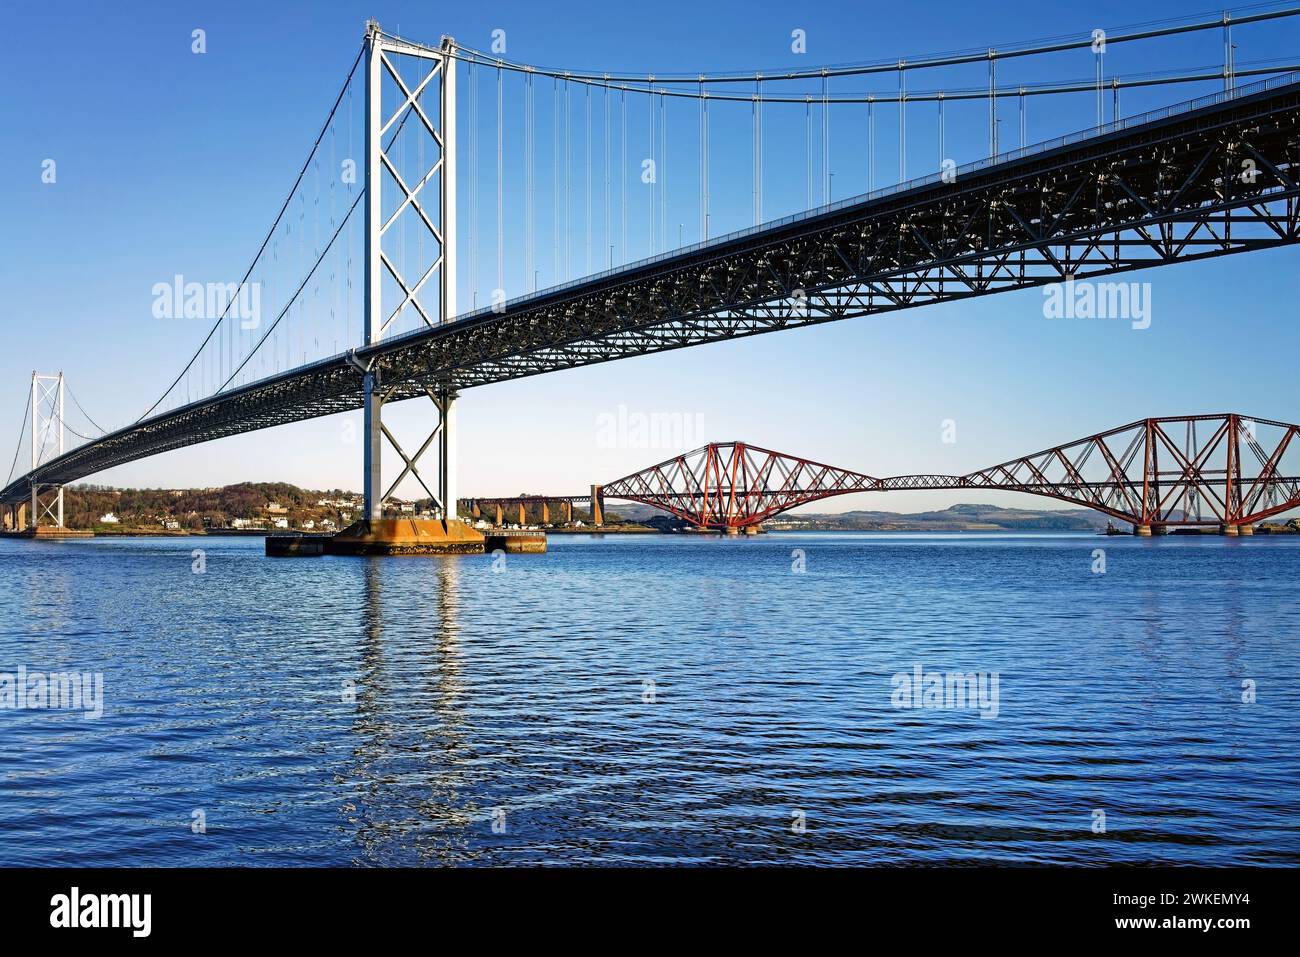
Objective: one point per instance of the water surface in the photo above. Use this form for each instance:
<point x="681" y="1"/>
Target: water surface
<point x="391" y="711"/>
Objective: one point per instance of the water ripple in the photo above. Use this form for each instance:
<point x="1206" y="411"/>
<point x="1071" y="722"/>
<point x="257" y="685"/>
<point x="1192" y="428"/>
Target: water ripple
<point x="655" y="701"/>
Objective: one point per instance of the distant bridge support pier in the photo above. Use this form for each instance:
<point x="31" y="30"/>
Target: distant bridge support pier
<point x="598" y="505"/>
<point x="446" y="402"/>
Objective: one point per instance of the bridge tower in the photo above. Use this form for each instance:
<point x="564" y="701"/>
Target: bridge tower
<point x="430" y="197"/>
<point x="48" y="435"/>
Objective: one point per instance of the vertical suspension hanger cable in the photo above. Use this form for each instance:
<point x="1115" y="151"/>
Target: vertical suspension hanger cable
<point x="338" y="250"/>
<point x="826" y="141"/>
<point x="530" y="135"/>
<point x="759" y="90"/>
<point x="663" y="170"/>
<point x="555" y="180"/>
<point x="347" y="297"/>
<point x="807" y="152"/>
<point x="871" y="144"/>
<point x="623" y="165"/>
<point x="1232" y="51"/>
<point x="587" y="147"/>
<point x="1022" y="116"/>
<point x="1227" y="58"/>
<point x="754" y="162"/>
<point x="993" y="103"/>
<point x="568" y="184"/>
<point x="1099" y="51"/>
<point x="302" y="265"/>
<point x="605" y="236"/>
<point x="315" y="253"/>
<point x="501" y="200"/>
<point x="472" y="225"/>
<point x="902" y="122"/>
<point x="654" y="165"/>
<point x="941" y="156"/>
<point x="704" y="161"/>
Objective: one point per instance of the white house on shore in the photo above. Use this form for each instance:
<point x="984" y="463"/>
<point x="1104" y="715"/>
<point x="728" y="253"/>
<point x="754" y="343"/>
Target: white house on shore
<point x="108" y="518"/>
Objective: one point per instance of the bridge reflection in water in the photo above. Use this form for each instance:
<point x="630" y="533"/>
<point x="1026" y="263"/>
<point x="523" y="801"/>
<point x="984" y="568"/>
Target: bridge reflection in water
<point x="411" y="764"/>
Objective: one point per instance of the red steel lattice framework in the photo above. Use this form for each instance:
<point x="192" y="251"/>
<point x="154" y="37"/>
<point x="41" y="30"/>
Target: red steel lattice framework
<point x="1200" y="470"/>
<point x="731" y="484"/>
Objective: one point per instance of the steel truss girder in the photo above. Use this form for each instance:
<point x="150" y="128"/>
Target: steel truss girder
<point x="1155" y="193"/>
<point x="1219" y="472"/>
<point x="732" y="484"/>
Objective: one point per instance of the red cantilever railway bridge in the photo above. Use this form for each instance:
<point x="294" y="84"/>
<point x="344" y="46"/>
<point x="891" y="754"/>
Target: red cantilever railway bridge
<point x="1224" y="470"/>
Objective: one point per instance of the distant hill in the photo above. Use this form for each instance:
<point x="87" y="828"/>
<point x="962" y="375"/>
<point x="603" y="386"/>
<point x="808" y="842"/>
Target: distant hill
<point x="956" y="518"/>
<point x="256" y="503"/>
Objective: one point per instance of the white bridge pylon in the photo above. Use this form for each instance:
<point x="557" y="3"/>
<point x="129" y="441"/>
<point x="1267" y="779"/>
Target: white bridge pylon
<point x="399" y="198"/>
<point x="47" y="436"/>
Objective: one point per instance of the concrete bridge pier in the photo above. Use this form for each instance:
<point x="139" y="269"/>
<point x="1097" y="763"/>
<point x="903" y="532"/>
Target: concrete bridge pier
<point x="598" y="505"/>
<point x="500" y="519"/>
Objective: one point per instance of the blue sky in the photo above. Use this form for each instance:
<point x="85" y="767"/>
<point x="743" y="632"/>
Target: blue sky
<point x="170" y="162"/>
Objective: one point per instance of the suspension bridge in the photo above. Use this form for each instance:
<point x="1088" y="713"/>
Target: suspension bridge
<point x="367" y="265"/>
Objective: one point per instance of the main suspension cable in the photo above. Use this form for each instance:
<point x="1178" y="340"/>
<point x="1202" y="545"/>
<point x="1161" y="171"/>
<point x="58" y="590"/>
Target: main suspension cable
<point x="73" y="397"/>
<point x="22" y="430"/>
<point x="261" y="249"/>
<point x="1143" y="31"/>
